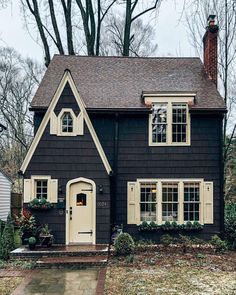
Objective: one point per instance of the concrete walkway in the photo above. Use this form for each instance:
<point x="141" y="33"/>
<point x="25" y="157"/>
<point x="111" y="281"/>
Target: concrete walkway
<point x="60" y="282"/>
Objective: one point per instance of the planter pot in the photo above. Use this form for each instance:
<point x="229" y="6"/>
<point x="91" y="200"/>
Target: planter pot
<point x="46" y="240"/>
<point x="39" y="208"/>
<point x="32" y="246"/>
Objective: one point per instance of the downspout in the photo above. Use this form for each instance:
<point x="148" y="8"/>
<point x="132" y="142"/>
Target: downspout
<point x="222" y="193"/>
<point x="114" y="174"/>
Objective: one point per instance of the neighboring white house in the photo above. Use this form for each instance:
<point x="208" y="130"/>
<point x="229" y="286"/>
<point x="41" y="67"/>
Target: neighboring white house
<point x="5" y="196"/>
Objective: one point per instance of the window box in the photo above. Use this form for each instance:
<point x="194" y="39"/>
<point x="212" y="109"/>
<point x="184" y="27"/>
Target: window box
<point x="170" y="227"/>
<point x="148" y="227"/>
<point x="41" y="204"/>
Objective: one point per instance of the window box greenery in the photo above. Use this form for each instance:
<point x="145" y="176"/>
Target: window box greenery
<point x="148" y="227"/>
<point x="170" y="226"/>
<point x="41" y="204"/>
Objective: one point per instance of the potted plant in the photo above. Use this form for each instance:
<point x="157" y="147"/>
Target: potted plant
<point x="41" y="204"/>
<point x="27" y="225"/>
<point x="32" y="243"/>
<point x="45" y="236"/>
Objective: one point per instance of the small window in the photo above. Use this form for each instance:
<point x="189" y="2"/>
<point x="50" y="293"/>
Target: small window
<point x="81" y="200"/>
<point x="148" y="201"/>
<point x="179" y="123"/>
<point x="191" y="201"/>
<point x="67" y="123"/>
<point x="169" y="202"/>
<point x="41" y="189"/>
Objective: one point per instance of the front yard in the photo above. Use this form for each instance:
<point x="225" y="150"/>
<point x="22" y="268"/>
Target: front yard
<point x="167" y="274"/>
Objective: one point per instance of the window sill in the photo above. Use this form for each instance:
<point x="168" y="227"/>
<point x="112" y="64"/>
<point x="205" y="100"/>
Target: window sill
<point x="169" y="144"/>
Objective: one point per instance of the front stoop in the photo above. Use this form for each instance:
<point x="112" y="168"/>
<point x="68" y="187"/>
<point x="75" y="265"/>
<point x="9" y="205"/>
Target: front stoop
<point x="60" y="256"/>
<point x="72" y="262"/>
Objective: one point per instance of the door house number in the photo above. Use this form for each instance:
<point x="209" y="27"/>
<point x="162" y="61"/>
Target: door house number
<point x="102" y="204"/>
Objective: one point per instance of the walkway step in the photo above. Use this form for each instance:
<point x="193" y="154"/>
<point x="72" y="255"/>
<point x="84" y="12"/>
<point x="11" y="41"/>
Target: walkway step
<point x="72" y="262"/>
<point x="60" y="251"/>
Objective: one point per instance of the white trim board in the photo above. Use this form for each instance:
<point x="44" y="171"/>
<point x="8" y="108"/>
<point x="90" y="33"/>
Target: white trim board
<point x="66" y="78"/>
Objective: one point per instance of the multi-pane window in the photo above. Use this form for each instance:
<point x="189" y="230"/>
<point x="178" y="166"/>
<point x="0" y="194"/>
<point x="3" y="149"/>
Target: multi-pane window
<point x="67" y="122"/>
<point x="41" y="189"/>
<point x="148" y="201"/>
<point x="169" y="201"/>
<point x="159" y="123"/>
<point x="179" y="122"/>
<point x="191" y="201"/>
<point x="169" y="124"/>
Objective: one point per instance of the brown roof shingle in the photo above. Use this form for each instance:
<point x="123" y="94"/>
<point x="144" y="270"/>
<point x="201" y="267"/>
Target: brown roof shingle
<point x="118" y="82"/>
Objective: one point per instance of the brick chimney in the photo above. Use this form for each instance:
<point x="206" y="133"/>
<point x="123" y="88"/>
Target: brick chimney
<point x="210" y="48"/>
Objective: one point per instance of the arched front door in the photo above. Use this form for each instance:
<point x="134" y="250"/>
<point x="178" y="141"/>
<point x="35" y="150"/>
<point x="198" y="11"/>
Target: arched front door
<point x="81" y="211"/>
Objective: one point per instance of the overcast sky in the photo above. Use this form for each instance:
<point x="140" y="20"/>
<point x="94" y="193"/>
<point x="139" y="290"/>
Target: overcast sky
<point x="171" y="35"/>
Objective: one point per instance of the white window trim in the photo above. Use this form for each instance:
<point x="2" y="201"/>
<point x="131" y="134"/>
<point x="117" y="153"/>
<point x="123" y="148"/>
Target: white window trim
<point x="169" y="101"/>
<point x="180" y="182"/>
<point x="33" y="187"/>
<point x="76" y="123"/>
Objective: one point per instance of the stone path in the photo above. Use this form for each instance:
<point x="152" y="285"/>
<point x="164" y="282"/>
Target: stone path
<point x="60" y="282"/>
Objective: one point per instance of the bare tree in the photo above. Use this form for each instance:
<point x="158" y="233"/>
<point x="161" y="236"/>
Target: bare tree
<point x="90" y="15"/>
<point x="91" y="25"/>
<point x="18" y="79"/>
<point x="130" y="17"/>
<point x="142" y="41"/>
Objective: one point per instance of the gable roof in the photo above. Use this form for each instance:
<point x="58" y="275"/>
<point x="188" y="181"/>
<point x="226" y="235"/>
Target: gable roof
<point x="118" y="82"/>
<point x="67" y="78"/>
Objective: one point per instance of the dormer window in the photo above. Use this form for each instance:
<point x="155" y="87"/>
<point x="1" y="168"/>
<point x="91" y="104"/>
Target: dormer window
<point x="66" y="123"/>
<point x="169" y="121"/>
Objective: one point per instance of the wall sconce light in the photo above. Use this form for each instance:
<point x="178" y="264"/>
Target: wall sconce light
<point x="100" y="188"/>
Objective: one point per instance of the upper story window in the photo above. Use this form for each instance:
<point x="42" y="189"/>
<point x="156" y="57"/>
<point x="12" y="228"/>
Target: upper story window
<point x="169" y="122"/>
<point x="159" y="123"/>
<point x="179" y="122"/>
<point x="67" y="123"/>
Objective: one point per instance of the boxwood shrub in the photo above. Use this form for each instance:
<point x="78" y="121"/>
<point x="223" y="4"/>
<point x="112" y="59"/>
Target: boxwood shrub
<point x="124" y="244"/>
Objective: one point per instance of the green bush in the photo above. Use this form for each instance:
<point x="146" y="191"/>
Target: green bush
<point x="166" y="240"/>
<point x="230" y="225"/>
<point x="7" y="240"/>
<point x="220" y="245"/>
<point x="124" y="244"/>
<point x="129" y="259"/>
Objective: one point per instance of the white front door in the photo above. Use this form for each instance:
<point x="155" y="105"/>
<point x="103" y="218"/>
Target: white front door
<point x="81" y="213"/>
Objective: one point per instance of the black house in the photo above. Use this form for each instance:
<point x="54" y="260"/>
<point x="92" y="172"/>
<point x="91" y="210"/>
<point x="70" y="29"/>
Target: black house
<point x="125" y="140"/>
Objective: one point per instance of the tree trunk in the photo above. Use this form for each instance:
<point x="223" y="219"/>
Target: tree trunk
<point x="36" y="14"/>
<point x="55" y="27"/>
<point x="127" y="29"/>
<point x="69" y="35"/>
